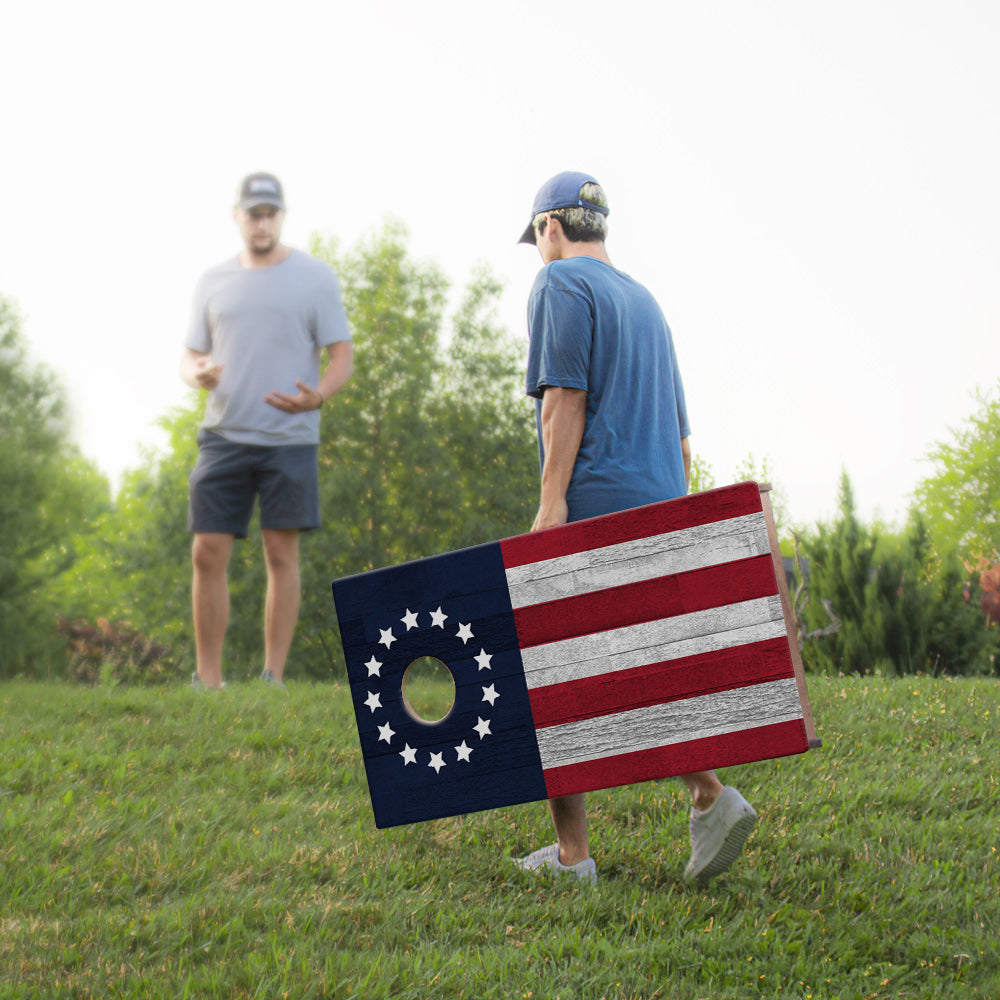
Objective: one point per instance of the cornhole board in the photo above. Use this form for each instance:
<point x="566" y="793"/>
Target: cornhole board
<point x="645" y="644"/>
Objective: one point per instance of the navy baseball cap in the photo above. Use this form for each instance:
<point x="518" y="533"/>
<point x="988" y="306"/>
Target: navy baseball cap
<point x="261" y="189"/>
<point x="561" y="191"/>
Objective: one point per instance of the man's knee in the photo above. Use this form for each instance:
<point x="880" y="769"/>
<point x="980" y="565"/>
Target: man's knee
<point x="281" y="550"/>
<point x="210" y="552"/>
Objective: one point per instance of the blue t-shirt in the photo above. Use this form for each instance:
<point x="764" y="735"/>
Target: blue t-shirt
<point x="594" y="328"/>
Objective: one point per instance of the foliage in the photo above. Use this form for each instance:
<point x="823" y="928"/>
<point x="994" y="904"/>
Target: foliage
<point x="49" y="495"/>
<point x="114" y="652"/>
<point x="900" y="607"/>
<point x="134" y="568"/>
<point x="961" y="500"/>
<point x="989" y="582"/>
<point x="429" y="447"/>
<point x="750" y="471"/>
<point x="164" y="843"/>
<point x="702" y="476"/>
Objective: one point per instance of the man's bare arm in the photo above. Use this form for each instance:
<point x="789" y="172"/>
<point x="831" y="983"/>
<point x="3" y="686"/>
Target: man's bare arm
<point x="564" y="417"/>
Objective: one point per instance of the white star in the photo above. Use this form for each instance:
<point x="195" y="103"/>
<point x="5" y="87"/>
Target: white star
<point x="483" y="727"/>
<point x="464" y="752"/>
<point x="373" y="700"/>
<point x="386" y="733"/>
<point x="373" y="667"/>
<point x="438" y="617"/>
<point x="409" y="619"/>
<point x="387" y="637"/>
<point x="408" y="754"/>
<point x="437" y="762"/>
<point x="483" y="659"/>
<point x="464" y="632"/>
<point x="490" y="694"/>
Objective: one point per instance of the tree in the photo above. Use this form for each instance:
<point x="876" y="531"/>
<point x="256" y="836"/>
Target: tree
<point x="703" y="478"/>
<point x="49" y="491"/>
<point x="900" y="607"/>
<point x="134" y="567"/>
<point x="429" y="447"/>
<point x="750" y="471"/>
<point x="961" y="500"/>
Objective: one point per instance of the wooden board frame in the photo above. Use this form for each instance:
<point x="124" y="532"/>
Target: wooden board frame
<point x="790" y="622"/>
<point x="675" y="620"/>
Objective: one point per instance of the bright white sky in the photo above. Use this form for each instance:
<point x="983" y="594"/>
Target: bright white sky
<point x="812" y="191"/>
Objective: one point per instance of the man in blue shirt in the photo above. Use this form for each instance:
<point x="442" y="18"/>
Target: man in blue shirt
<point x="612" y="434"/>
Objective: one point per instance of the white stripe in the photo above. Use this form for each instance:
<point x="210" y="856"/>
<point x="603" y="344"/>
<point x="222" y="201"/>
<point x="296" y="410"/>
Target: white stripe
<point x="642" y="559"/>
<point x="666" y="725"/>
<point x="653" y="642"/>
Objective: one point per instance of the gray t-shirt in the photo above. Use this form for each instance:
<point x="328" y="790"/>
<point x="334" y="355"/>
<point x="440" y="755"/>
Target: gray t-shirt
<point x="266" y="327"/>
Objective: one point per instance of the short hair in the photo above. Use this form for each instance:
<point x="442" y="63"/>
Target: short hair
<point x="579" y="223"/>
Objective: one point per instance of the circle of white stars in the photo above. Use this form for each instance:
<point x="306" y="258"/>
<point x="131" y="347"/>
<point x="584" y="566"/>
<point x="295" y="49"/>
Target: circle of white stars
<point x="411" y="755"/>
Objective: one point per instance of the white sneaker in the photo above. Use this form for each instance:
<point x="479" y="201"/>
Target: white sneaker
<point x="718" y="835"/>
<point x="548" y="858"/>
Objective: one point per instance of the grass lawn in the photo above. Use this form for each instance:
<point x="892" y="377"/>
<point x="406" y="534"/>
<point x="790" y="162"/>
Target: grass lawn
<point x="173" y="843"/>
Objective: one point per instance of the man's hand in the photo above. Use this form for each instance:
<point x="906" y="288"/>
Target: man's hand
<point x="206" y="374"/>
<point x="551" y="515"/>
<point x="306" y="399"/>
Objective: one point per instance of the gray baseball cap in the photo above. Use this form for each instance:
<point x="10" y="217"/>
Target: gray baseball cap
<point x="261" y="189"/>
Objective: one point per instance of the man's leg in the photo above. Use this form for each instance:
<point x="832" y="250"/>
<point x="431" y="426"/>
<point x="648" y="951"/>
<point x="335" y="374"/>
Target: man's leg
<point x="569" y="814"/>
<point x="704" y="787"/>
<point x="721" y="820"/>
<point x="210" y="602"/>
<point x="281" y="612"/>
<point x="570" y="855"/>
<point x="569" y="817"/>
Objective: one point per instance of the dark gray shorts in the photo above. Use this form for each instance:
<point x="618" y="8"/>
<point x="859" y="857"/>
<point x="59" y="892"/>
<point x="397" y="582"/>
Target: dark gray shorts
<point x="228" y="477"/>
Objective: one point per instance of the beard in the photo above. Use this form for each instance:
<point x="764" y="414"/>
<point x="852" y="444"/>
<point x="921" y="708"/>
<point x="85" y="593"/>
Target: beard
<point x="264" y="248"/>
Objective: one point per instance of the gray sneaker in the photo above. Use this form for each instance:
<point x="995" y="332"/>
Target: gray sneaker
<point x="718" y="835"/>
<point x="196" y="682"/>
<point x="268" y="678"/>
<point x="547" y="858"/>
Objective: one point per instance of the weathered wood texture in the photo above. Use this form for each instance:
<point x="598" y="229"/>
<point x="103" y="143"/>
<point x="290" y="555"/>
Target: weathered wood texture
<point x="650" y="643"/>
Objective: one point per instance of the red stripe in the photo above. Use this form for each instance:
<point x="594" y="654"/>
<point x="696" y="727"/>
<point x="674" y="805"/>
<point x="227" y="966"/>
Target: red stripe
<point x="646" y="600"/>
<point x="627" y="526"/>
<point x="660" y="683"/>
<point x="763" y="743"/>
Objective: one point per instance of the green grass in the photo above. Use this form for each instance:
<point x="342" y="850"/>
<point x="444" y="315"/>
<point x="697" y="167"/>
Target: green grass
<point x="171" y="843"/>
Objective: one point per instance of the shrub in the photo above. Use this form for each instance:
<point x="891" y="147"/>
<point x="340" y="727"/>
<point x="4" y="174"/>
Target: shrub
<point x="115" y="652"/>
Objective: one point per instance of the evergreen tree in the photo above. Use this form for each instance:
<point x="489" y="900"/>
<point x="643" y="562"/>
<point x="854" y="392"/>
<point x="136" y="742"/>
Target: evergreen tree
<point x="900" y="608"/>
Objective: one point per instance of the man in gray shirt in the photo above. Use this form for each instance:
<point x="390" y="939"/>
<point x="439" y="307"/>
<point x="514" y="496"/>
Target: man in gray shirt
<point x="259" y="324"/>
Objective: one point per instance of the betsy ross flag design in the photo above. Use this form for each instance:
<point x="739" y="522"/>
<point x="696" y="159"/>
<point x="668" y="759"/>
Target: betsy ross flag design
<point x="645" y="644"/>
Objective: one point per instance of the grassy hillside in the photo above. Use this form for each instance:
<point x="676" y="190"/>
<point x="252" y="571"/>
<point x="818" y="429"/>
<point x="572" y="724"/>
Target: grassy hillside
<point x="171" y="843"/>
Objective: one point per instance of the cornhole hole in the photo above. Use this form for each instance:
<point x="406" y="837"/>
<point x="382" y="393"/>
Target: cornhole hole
<point x="640" y="645"/>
